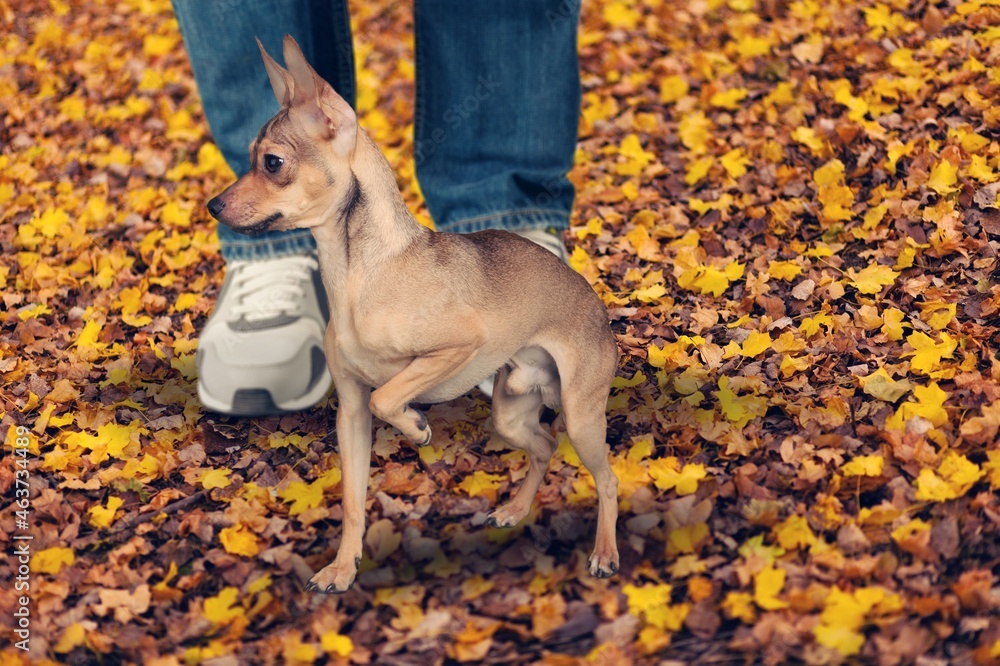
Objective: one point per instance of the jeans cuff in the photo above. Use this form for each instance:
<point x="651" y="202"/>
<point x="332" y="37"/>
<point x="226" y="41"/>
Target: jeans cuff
<point x="511" y="220"/>
<point x="251" y="249"/>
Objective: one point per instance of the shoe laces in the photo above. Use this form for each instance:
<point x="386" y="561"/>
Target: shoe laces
<point x="267" y="289"/>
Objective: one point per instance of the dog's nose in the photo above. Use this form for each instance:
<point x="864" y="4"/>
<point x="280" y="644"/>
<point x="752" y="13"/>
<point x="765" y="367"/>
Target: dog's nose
<point x="215" y="207"/>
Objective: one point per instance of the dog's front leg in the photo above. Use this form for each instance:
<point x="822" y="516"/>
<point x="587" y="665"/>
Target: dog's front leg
<point x="391" y="402"/>
<point x="354" y="437"/>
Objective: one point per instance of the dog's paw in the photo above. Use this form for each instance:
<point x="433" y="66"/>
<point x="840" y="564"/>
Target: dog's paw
<point x="603" y="566"/>
<point x="506" y="516"/>
<point x="333" y="578"/>
<point x="420" y="433"/>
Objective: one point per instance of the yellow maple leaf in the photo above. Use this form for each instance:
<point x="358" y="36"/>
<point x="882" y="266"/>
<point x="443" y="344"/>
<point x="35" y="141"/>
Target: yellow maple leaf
<point x="729" y="99"/>
<point x="756" y="344"/>
<point x="992" y="468"/>
<point x="739" y="606"/>
<point x="112" y="439"/>
<point x="651" y="294"/>
<point x="794" y="532"/>
<point x="807" y="137"/>
<point x="740" y="410"/>
<point x="239" y="540"/>
<point x="334" y="643"/>
<point x="845" y="640"/>
<point x="51" y="560"/>
<point x="790" y="365"/>
<point x="100" y="516"/>
<point x="185" y="301"/>
<point x="837" y="201"/>
<point x="673" y="88"/>
<point x="130" y="301"/>
<point x="892" y="327"/>
<point x="937" y="314"/>
<point x="73" y="107"/>
<point x="598" y="107"/>
<point x="784" y="270"/>
<point x="932" y="488"/>
<point x="751" y="46"/>
<point x="897" y="150"/>
<point x="929" y="405"/>
<point x="175" y="215"/>
<point x="51" y="222"/>
<point x="902" y="61"/>
<point x="646" y="598"/>
<point x="980" y="169"/>
<point x="722" y="204"/>
<point x="667" y="474"/>
<point x="735" y="162"/>
<point x="943" y="178"/>
<point x="698" y="169"/>
<point x="215" y="478"/>
<point x="482" y="484"/>
<point x="303" y="496"/>
<point x="768" y="583"/>
<point x="637" y="157"/>
<point x="621" y="15"/>
<point x="864" y="466"/>
<point x="222" y="608"/>
<point x="645" y="246"/>
<point x="810" y="325"/>
<point x="871" y="279"/>
<point x="668" y="618"/>
<point x="928" y="354"/>
<point x="959" y="472"/>
<point x="686" y="538"/>
<point x="581" y="262"/>
<point x="831" y="173"/>
<point x="73" y="637"/>
<point x="297" y="653"/>
<point x="694" y="131"/>
<point x="158" y="45"/>
<point x="881" y="385"/>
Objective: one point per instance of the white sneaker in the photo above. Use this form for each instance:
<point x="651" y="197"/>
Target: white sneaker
<point x="261" y="351"/>
<point x="551" y="241"/>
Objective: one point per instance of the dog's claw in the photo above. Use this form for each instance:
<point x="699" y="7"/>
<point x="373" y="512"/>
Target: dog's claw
<point x="329" y="589"/>
<point x="492" y="522"/>
<point x="598" y="570"/>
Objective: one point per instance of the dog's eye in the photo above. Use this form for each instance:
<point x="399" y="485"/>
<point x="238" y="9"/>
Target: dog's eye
<point x="272" y="163"/>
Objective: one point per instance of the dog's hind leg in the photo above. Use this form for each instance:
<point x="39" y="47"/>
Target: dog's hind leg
<point x="585" y="388"/>
<point x="516" y="419"/>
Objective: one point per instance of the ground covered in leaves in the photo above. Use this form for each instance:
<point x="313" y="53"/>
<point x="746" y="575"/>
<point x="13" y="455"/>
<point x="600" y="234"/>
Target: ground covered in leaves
<point x="790" y="210"/>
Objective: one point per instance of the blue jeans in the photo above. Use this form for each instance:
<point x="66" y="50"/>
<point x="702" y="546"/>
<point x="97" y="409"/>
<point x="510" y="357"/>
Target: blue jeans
<point x="497" y="101"/>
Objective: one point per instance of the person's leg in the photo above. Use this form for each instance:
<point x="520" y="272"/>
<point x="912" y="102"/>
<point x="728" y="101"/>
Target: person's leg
<point x="498" y="104"/>
<point x="262" y="349"/>
<point x="498" y="100"/>
<point x="234" y="89"/>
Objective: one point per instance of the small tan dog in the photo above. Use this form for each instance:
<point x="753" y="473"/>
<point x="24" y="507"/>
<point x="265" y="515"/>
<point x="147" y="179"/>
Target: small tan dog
<point x="422" y="317"/>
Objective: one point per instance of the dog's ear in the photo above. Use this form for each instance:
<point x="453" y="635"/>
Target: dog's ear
<point x="281" y="80"/>
<point x="318" y="99"/>
<point x="302" y="73"/>
<point x="341" y="120"/>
